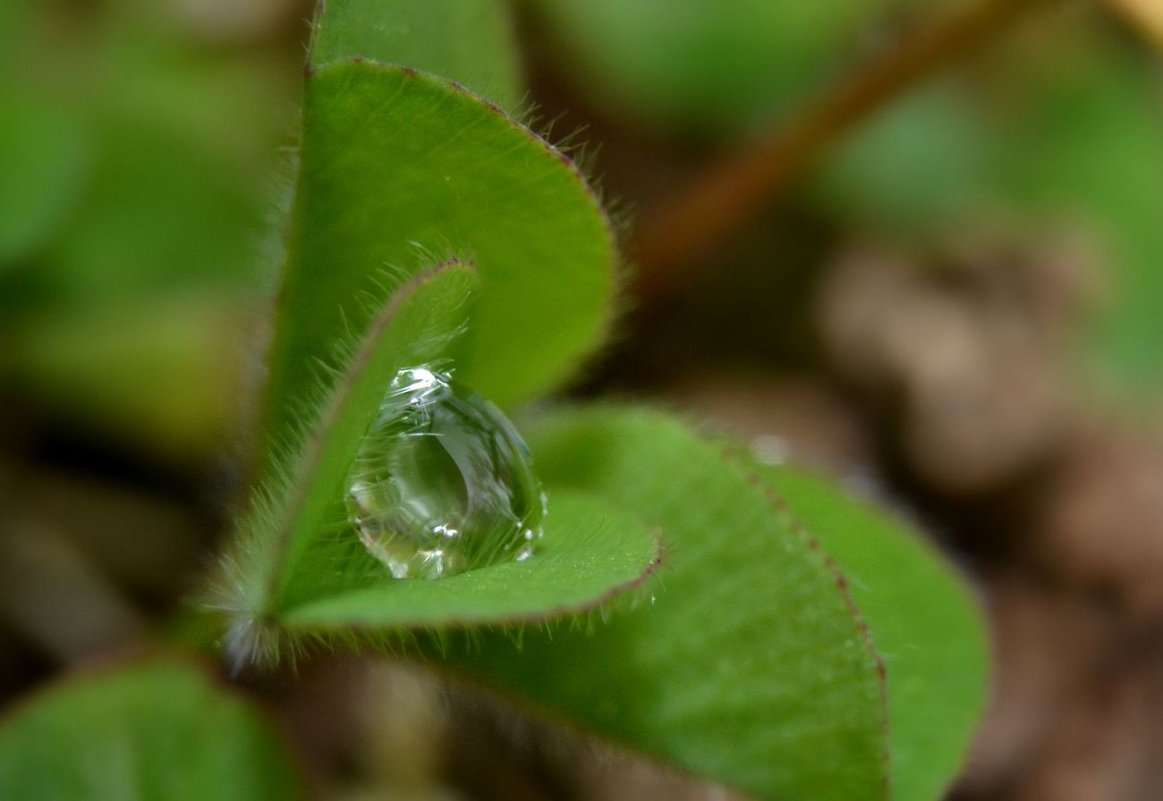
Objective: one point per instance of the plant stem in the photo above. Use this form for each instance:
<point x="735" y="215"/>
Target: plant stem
<point x="729" y="193"/>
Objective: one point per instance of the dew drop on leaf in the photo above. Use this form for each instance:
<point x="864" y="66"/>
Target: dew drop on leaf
<point x="443" y="483"/>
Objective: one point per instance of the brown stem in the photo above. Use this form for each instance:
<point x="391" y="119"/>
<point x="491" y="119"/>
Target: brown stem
<point x="729" y="193"/>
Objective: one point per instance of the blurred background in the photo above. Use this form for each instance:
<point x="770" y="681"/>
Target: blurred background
<point x="955" y="306"/>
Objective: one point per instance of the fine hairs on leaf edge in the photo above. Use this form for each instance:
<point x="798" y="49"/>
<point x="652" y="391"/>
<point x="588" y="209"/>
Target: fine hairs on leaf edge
<point x="264" y="643"/>
<point x="579" y="158"/>
<point x="583" y="155"/>
<point x="271" y="644"/>
<point x="248" y="570"/>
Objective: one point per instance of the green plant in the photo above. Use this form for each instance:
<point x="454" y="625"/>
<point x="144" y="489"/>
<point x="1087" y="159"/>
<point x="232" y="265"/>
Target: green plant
<point x="752" y="625"/>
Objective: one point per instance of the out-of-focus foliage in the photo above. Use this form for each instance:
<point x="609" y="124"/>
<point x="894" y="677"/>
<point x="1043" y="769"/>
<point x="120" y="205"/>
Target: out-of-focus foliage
<point x="154" y="731"/>
<point x="41" y="156"/>
<point x="1058" y="128"/>
<point x="919" y="168"/>
<point x="138" y="176"/>
<point x="1086" y="150"/>
<point x="709" y="67"/>
<point x="523" y="215"/>
<point x="1069" y="140"/>
<point x="155" y="377"/>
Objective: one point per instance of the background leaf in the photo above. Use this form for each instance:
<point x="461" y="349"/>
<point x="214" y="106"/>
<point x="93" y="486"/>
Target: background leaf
<point x="394" y="161"/>
<point x="919" y="167"/>
<point x="750" y="667"/>
<point x="136" y="178"/>
<point x="172" y="348"/>
<point x="925" y="625"/>
<point x="468" y="41"/>
<point x="151" y="732"/>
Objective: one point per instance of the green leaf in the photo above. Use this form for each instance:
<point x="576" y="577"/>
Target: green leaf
<point x="590" y="552"/>
<point x="414" y="327"/>
<point x="924" y="621"/>
<point x="159" y="731"/>
<point x="469" y="41"/>
<point x="394" y="161"/>
<point x="286" y="551"/>
<point x="299" y="567"/>
<point x="750" y="666"/>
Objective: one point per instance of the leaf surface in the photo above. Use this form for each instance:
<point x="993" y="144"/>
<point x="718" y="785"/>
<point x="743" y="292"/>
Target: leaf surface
<point x="295" y="542"/>
<point x="926" y="626"/>
<point x="590" y="552"/>
<point x="396" y="163"/>
<point x="299" y="567"/>
<point x="751" y="665"/>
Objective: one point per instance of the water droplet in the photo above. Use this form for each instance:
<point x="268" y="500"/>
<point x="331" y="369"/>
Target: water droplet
<point x="443" y="482"/>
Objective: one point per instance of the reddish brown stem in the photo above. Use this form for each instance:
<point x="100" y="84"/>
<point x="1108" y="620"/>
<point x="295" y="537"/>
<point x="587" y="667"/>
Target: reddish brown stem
<point x="729" y="193"/>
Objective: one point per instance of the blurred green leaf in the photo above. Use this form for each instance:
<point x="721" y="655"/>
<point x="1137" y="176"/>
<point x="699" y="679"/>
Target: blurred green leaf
<point x="920" y="167"/>
<point x="42" y="168"/>
<point x="924" y="622"/>
<point x="468" y="41"/>
<point x="396" y="162"/>
<point x="708" y="67"/>
<point x="177" y="149"/>
<point x="157" y="731"/>
<point x="157" y="217"/>
<point x="157" y="374"/>
<point x="137" y="176"/>
<point x="750" y="665"/>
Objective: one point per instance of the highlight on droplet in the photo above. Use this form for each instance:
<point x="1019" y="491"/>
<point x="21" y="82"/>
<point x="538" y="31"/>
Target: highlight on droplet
<point x="443" y="483"/>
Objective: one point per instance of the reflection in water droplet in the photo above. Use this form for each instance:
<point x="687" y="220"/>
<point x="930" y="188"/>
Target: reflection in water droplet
<point x="443" y="482"/>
